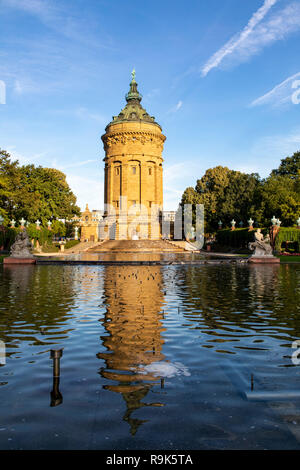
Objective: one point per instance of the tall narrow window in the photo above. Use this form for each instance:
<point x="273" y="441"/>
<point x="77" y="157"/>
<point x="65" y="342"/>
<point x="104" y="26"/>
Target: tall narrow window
<point x="117" y="171"/>
<point x="150" y="171"/>
<point x="133" y="170"/>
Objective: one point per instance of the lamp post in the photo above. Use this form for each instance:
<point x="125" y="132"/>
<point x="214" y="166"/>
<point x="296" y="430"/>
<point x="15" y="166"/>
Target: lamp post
<point x="56" y="396"/>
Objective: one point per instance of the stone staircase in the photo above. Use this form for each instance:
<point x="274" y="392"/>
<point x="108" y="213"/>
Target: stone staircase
<point x="187" y="246"/>
<point x="135" y="246"/>
<point x="82" y="246"/>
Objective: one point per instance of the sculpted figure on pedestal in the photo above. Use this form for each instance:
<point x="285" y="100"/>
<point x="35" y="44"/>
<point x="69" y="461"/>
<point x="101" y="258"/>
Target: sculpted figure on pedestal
<point x="22" y="246"/>
<point x="262" y="245"/>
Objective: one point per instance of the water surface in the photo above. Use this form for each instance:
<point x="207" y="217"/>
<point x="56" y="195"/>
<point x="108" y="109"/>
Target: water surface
<point x="155" y="357"/>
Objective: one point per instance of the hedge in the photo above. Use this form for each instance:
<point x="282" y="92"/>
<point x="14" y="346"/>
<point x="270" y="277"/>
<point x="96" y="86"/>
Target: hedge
<point x="71" y="243"/>
<point x="43" y="235"/>
<point x="7" y="237"/>
<point x="238" y="238"/>
<point x="287" y="234"/>
<point x="50" y="248"/>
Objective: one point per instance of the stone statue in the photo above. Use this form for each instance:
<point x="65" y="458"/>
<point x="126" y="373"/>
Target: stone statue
<point x="262" y="245"/>
<point x="22" y="246"/>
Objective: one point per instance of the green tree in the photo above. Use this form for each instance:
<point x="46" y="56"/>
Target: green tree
<point x="289" y="166"/>
<point x="9" y="181"/>
<point x="34" y="192"/>
<point x="280" y="196"/>
<point x="226" y="194"/>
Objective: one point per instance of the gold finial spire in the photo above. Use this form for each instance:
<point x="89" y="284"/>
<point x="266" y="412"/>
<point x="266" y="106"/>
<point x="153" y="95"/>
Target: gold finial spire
<point x="133" y="74"/>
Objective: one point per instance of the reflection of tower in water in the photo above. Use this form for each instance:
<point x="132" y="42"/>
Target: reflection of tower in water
<point x="133" y="318"/>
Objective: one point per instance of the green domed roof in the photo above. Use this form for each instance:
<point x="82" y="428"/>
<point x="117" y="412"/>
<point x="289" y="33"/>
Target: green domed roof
<point x="133" y="110"/>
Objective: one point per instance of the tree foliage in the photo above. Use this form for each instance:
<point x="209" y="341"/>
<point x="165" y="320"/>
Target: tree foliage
<point x="289" y="166"/>
<point x="280" y="197"/>
<point x="228" y="194"/>
<point x="34" y="192"/>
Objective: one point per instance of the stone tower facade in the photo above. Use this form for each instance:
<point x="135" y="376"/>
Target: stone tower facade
<point x="133" y="144"/>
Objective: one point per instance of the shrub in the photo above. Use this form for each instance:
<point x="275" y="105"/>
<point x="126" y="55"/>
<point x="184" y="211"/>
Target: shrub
<point x="71" y="243"/>
<point x="238" y="238"/>
<point x="50" y="248"/>
<point x="287" y="234"/>
<point x="7" y="237"/>
<point x="43" y="235"/>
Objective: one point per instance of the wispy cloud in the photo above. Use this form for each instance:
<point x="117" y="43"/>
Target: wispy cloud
<point x="176" y="107"/>
<point x="55" y="164"/>
<point x="22" y="86"/>
<point x="64" y="20"/>
<point x="23" y="160"/>
<point x="41" y="8"/>
<point x="279" y="95"/>
<point x="258" y="34"/>
<point x="152" y="93"/>
<point x="84" y="113"/>
<point x="277" y="146"/>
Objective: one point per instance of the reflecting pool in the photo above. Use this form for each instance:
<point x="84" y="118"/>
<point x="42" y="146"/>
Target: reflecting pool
<point x="154" y="357"/>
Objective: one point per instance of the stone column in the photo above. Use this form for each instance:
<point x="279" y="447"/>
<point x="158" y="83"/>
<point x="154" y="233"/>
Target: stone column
<point x="105" y="183"/>
<point x="109" y="183"/>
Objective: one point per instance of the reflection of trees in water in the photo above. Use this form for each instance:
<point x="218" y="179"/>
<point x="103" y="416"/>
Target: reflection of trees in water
<point x="134" y="299"/>
<point x="223" y="297"/>
<point x="35" y="298"/>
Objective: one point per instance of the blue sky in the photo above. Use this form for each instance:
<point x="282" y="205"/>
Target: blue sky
<point x="221" y="77"/>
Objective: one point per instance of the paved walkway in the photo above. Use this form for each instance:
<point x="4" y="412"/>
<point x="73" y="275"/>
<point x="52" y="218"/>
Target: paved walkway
<point x="79" y="248"/>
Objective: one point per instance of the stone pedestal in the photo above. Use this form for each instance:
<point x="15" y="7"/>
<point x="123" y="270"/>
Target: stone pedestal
<point x="11" y="260"/>
<point x="263" y="259"/>
<point x="21" y="251"/>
